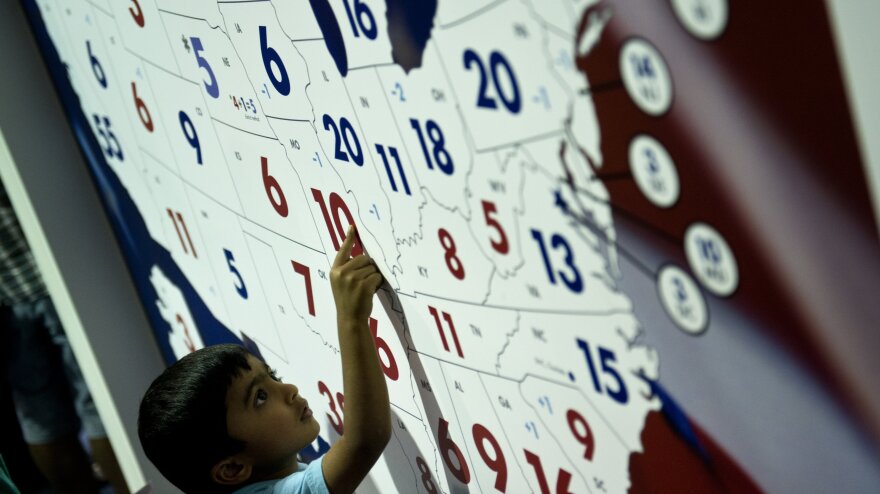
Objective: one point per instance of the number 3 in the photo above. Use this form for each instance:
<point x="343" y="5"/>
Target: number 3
<point x="113" y="149"/>
<point x="139" y="16"/>
<point x="335" y="419"/>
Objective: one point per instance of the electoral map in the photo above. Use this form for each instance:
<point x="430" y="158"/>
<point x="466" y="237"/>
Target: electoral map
<point x="477" y="147"/>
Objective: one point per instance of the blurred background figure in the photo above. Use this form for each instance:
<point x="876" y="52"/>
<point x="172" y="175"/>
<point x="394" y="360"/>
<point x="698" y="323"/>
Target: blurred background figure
<point x="52" y="402"/>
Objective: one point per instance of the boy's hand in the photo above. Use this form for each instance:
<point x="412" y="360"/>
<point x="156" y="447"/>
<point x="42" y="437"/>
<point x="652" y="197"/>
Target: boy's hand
<point x="354" y="281"/>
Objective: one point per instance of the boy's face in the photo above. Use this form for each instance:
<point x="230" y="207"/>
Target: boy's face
<point x="272" y="419"/>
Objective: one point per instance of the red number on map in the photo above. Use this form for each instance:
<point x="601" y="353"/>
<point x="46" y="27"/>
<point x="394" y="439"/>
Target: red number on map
<point x="389" y="369"/>
<point x="270" y="184"/>
<point x="502" y="245"/>
<point x="562" y="481"/>
<point x="142" y="110"/>
<point x="187" y="339"/>
<point x="496" y="461"/>
<point x="447" y="445"/>
<point x="452" y="261"/>
<point x="335" y="419"/>
<point x="451" y="325"/>
<point x="337" y="206"/>
<point x="582" y="432"/>
<point x="427" y="481"/>
<point x="138" y="15"/>
<point x="180" y="225"/>
<point x="306" y="273"/>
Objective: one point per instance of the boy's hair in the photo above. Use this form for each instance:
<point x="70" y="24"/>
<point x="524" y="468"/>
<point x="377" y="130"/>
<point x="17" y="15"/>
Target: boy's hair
<point x="182" y="417"/>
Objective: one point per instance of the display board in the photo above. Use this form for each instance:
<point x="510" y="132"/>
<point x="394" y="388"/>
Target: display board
<point x="560" y="194"/>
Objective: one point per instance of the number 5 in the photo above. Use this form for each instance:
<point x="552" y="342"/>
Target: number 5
<point x="213" y="89"/>
<point x="239" y="287"/>
<point x="502" y="246"/>
<point x="606" y="359"/>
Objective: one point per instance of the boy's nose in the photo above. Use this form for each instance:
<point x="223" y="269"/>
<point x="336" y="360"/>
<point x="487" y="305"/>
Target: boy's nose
<point x="292" y="392"/>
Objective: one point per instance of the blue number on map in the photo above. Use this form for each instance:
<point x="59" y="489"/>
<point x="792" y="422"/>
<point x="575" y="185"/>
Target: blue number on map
<point x="440" y="155"/>
<point x="573" y="281"/>
<point x="271" y="56"/>
<point x="213" y="89"/>
<point x="394" y="155"/>
<point x="96" y="66"/>
<point x="352" y="144"/>
<point x="189" y="130"/>
<point x="112" y="149"/>
<point x="606" y="361"/>
<point x="497" y="61"/>
<point x="357" y="17"/>
<point x="239" y="287"/>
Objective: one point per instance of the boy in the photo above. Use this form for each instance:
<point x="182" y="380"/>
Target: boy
<point x="220" y="421"/>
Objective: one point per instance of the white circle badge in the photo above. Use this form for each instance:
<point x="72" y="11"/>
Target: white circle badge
<point x="683" y="300"/>
<point x="711" y="259"/>
<point x="646" y="77"/>
<point x="654" y="171"/>
<point x="704" y="19"/>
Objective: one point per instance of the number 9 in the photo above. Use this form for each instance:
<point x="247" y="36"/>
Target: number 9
<point x="189" y="131"/>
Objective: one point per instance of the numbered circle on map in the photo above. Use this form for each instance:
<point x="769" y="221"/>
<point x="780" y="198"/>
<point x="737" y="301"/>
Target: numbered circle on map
<point x="654" y="171"/>
<point x="683" y="300"/>
<point x="711" y="259"/>
<point x="646" y="77"/>
<point x="704" y="19"/>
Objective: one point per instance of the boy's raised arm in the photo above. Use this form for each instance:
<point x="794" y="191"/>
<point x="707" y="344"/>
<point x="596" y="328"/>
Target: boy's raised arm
<point x="367" y="409"/>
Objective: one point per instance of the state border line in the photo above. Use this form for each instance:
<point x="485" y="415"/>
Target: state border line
<point x="472" y="15"/>
<point x="215" y="119"/>
<point x="303" y="120"/>
<point x="102" y="9"/>
<point x="407" y="411"/>
<point x="164" y="11"/>
<point x="224" y="206"/>
<point x="163" y="69"/>
<point x="579" y="391"/>
<point x="265" y="299"/>
<point x="610" y="312"/>
<point x="521" y="142"/>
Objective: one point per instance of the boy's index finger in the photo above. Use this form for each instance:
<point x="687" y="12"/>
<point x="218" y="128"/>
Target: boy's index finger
<point x="344" y="253"/>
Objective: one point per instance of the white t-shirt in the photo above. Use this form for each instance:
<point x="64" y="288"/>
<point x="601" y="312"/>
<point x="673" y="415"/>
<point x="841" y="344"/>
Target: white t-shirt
<point x="307" y="479"/>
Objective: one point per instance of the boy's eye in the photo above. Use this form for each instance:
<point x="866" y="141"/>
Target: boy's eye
<point x="274" y="376"/>
<point x="260" y="397"/>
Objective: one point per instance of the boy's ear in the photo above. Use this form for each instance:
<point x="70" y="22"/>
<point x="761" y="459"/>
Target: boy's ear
<point x="231" y="471"/>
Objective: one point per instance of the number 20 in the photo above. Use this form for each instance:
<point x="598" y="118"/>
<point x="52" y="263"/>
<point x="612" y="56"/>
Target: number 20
<point x="497" y="62"/>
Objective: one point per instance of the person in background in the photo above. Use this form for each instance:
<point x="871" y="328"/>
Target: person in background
<point x="6" y="484"/>
<point x="51" y="399"/>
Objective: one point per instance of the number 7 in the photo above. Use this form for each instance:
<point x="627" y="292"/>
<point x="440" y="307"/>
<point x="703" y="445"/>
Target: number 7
<point x="306" y="273"/>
